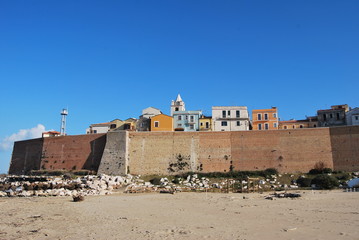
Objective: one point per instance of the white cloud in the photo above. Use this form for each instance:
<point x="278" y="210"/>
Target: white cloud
<point x="22" y="134"/>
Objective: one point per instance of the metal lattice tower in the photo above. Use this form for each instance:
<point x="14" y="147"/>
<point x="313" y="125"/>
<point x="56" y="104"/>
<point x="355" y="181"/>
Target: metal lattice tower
<point x="63" y="122"/>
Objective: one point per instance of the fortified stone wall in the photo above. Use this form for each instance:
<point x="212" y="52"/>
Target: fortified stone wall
<point x="345" y="148"/>
<point x="57" y="153"/>
<point x="296" y="150"/>
<point x="162" y="152"/>
<point x="215" y="152"/>
<point x="175" y="152"/>
<point x="73" y="152"/>
<point x="26" y="156"/>
<point x="114" y="158"/>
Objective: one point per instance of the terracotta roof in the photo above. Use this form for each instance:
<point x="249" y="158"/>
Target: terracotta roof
<point x="53" y="132"/>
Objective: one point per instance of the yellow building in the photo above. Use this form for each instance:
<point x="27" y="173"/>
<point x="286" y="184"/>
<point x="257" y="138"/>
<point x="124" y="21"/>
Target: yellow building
<point x="310" y="122"/>
<point x="293" y="124"/>
<point x="161" y="123"/>
<point x="205" y="123"/>
<point x="128" y="124"/>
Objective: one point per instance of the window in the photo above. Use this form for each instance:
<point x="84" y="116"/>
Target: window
<point x="356" y="117"/>
<point x="179" y="118"/>
<point x="238" y="123"/>
<point x="331" y="115"/>
<point x="113" y="126"/>
<point x="94" y="131"/>
<point x="191" y="127"/>
<point x="259" y="116"/>
<point x="238" y="114"/>
<point x="223" y="114"/>
<point x="229" y="113"/>
<point x="157" y="124"/>
<point x="293" y="126"/>
<point x="176" y="109"/>
<point x="274" y="115"/>
<point x="266" y="126"/>
<point x="191" y="118"/>
<point x="300" y="126"/>
<point x="338" y="116"/>
<point x="285" y="127"/>
<point x="275" y="125"/>
<point x="179" y="125"/>
<point x="325" y="117"/>
<point x="224" y="123"/>
<point x="259" y="126"/>
<point x="207" y="124"/>
<point x="186" y="117"/>
<point x="266" y="116"/>
<point x="201" y="124"/>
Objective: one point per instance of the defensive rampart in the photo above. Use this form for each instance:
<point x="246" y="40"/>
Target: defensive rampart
<point x="58" y="153"/>
<point x="145" y="153"/>
<point x="175" y="152"/>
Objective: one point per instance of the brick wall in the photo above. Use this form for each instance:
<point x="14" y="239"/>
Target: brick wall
<point x="54" y="153"/>
<point x="295" y="150"/>
<point x="162" y="152"/>
<point x="26" y="156"/>
<point x="286" y="150"/>
<point x="73" y="152"/>
<point x="345" y="147"/>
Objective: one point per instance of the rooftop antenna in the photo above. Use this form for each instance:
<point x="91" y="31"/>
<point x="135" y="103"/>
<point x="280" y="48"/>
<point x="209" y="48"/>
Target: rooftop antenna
<point x="63" y="122"/>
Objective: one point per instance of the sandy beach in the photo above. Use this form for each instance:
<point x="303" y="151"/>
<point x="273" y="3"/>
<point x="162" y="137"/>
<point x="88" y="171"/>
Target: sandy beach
<point x="316" y="215"/>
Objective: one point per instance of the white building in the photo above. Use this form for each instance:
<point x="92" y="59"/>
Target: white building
<point x="232" y="118"/>
<point x="150" y="112"/>
<point x="144" y="122"/>
<point x="352" y="116"/>
<point x="104" y="127"/>
<point x="99" y="128"/>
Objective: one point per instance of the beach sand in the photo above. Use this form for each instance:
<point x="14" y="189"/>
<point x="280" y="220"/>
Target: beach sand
<point x="316" y="215"/>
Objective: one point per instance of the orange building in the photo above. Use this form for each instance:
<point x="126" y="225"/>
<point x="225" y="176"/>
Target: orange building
<point x="161" y="123"/>
<point x="265" y="119"/>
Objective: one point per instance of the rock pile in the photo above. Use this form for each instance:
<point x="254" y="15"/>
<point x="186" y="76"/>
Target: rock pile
<point x="27" y="186"/>
<point x="192" y="182"/>
<point x="283" y="195"/>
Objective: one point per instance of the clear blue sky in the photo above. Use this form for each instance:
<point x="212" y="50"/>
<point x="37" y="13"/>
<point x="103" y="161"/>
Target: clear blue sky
<point x="111" y="59"/>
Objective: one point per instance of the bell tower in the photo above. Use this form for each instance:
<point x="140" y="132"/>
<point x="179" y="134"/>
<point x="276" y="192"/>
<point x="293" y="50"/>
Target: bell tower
<point x="177" y="105"/>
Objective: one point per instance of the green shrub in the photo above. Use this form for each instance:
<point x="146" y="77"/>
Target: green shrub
<point x="304" y="182"/>
<point x="83" y="172"/>
<point x="176" y="180"/>
<point x="156" y="181"/>
<point x="316" y="171"/>
<point x="270" y="171"/>
<point x="327" y="170"/>
<point x="324" y="181"/>
<point x="343" y="177"/>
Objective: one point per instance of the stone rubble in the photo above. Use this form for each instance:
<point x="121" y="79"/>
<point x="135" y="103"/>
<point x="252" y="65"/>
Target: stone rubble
<point x="28" y="186"/>
<point x="194" y="183"/>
